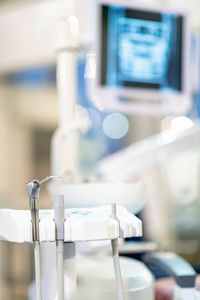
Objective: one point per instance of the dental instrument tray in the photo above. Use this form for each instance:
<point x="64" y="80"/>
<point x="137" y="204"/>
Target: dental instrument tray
<point x="81" y="224"/>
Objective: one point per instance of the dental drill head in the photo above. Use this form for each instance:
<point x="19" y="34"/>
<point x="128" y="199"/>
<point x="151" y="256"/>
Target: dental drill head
<point x="33" y="189"/>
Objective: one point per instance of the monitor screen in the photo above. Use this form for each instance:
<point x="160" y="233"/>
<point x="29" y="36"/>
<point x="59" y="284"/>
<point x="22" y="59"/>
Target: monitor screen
<point x="141" y="49"/>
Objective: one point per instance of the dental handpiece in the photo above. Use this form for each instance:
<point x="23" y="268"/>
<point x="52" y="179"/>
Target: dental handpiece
<point x="33" y="189"/>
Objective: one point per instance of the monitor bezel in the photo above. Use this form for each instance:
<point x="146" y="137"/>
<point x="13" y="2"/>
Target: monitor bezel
<point x="164" y="102"/>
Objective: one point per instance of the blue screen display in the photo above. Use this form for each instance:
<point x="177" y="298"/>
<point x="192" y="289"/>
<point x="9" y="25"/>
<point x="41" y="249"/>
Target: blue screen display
<point x="141" y="49"/>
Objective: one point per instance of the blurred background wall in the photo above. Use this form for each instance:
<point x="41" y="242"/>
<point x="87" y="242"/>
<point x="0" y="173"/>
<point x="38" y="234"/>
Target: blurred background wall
<point x="29" y="116"/>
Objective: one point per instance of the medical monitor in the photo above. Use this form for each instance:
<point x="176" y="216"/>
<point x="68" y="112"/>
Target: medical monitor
<point x="142" y="57"/>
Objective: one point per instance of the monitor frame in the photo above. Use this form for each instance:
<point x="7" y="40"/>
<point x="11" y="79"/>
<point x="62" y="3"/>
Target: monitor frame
<point x="139" y="100"/>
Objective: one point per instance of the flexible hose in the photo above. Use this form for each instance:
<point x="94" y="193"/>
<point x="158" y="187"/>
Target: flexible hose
<point x="118" y="276"/>
<point x="38" y="275"/>
<point x="60" y="268"/>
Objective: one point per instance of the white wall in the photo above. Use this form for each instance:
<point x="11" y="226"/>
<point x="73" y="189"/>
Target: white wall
<point x="28" y="30"/>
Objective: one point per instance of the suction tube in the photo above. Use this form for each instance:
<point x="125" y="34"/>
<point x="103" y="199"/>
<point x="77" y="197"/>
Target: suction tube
<point x="115" y="253"/>
<point x="59" y="222"/>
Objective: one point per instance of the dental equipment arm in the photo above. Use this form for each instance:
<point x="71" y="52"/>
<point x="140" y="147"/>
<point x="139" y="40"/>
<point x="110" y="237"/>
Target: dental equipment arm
<point x="179" y="269"/>
<point x="59" y="222"/>
<point x="143" y="155"/>
<point x="33" y="189"/>
<point x="115" y="253"/>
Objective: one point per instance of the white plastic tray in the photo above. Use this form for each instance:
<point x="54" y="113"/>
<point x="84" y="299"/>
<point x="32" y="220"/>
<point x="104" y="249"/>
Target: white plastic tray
<point x="81" y="224"/>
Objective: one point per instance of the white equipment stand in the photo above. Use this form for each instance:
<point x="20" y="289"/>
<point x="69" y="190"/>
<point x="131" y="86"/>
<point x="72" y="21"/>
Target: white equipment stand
<point x="80" y="225"/>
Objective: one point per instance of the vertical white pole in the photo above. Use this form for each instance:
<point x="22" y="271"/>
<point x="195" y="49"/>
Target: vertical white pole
<point x="64" y="146"/>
